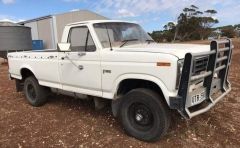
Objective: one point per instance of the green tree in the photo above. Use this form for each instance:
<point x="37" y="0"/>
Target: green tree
<point x="207" y="22"/>
<point x="192" y="24"/>
<point x="195" y="24"/>
<point x="229" y="32"/>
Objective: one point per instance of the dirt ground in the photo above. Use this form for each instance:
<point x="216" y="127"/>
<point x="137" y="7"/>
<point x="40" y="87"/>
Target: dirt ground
<point x="68" y="122"/>
<point x="1" y="60"/>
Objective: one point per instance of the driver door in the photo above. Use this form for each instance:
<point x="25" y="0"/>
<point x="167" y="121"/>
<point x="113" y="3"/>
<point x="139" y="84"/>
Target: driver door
<point x="80" y="69"/>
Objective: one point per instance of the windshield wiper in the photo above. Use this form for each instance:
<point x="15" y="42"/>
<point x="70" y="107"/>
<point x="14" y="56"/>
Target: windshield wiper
<point x="126" y="41"/>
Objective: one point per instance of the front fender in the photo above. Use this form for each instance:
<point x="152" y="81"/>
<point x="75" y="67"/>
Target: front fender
<point x="151" y="78"/>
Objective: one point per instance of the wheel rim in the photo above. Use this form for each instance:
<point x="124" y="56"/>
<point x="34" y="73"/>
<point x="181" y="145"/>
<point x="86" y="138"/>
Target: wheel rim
<point x="140" y="116"/>
<point x="31" y="91"/>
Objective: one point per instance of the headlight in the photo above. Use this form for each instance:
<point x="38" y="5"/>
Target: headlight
<point x="180" y="65"/>
<point x="179" y="72"/>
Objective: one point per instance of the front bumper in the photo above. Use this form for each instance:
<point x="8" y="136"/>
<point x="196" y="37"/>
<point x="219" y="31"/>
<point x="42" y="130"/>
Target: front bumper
<point x="215" y="88"/>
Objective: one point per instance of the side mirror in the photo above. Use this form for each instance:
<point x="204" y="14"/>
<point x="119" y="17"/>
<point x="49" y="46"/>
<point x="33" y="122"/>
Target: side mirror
<point x="64" y="46"/>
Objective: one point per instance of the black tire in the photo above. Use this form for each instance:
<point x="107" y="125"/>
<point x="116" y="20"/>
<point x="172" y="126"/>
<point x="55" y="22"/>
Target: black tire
<point x="144" y="115"/>
<point x="35" y="94"/>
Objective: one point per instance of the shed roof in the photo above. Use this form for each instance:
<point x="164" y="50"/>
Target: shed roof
<point x="49" y="16"/>
<point x="34" y="20"/>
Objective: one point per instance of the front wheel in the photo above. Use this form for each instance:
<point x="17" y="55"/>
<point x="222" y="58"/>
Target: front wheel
<point x="35" y="94"/>
<point x="144" y="115"/>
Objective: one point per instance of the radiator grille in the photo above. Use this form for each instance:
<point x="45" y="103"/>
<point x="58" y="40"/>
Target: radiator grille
<point x="200" y="65"/>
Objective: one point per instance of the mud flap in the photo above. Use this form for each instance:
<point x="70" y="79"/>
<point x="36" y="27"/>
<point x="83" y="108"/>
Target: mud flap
<point x="100" y="103"/>
<point x="116" y="104"/>
<point x="19" y="85"/>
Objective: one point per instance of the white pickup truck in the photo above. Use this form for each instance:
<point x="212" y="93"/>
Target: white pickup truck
<point x="119" y="61"/>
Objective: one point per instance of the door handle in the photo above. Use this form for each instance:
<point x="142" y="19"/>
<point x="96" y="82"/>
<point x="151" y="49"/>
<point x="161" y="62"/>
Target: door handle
<point x="51" y="57"/>
<point x="80" y="67"/>
<point x="81" y="54"/>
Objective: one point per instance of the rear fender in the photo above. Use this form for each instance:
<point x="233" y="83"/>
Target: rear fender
<point x="26" y="67"/>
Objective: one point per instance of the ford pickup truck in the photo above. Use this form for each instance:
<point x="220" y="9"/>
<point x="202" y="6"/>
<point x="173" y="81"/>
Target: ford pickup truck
<point x="118" y="61"/>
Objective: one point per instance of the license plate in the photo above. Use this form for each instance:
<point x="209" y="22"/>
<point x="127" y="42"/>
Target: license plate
<point x="198" y="98"/>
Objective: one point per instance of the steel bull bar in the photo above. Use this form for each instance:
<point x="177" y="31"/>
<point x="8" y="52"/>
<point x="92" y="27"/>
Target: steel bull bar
<point x="219" y="60"/>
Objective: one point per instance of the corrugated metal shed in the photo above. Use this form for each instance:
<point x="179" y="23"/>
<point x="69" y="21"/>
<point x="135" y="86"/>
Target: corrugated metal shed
<point x="50" y="28"/>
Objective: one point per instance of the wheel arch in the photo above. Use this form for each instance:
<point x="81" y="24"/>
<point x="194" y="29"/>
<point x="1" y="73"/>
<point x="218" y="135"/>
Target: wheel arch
<point x="147" y="79"/>
<point x="26" y="71"/>
<point x="144" y="78"/>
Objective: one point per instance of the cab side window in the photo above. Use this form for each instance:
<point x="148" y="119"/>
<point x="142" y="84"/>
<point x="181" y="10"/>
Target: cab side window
<point x="81" y="40"/>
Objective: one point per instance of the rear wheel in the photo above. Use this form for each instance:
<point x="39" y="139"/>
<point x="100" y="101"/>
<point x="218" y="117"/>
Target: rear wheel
<point x="35" y="94"/>
<point x="144" y="116"/>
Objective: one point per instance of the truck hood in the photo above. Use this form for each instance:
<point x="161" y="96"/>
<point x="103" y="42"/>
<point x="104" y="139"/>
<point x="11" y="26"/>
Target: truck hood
<point x="179" y="50"/>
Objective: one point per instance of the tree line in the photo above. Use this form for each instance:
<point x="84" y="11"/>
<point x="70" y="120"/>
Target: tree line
<point x="192" y="24"/>
<point x="229" y="31"/>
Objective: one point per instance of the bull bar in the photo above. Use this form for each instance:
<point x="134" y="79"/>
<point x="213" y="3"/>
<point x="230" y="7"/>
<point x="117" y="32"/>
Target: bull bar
<point x="219" y="60"/>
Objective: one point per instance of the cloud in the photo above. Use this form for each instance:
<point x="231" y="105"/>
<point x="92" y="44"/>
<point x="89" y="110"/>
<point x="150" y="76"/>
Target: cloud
<point x="165" y="10"/>
<point x="125" y="13"/>
<point x="140" y="7"/>
<point x="229" y="15"/>
<point x="152" y="13"/>
<point x="6" y="18"/>
<point x="157" y="6"/>
<point x="159" y="10"/>
<point x="8" y="1"/>
<point x="73" y="10"/>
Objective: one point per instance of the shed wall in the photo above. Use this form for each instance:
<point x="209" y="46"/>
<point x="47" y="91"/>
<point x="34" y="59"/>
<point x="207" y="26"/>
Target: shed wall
<point x="34" y="29"/>
<point x="50" y="28"/>
<point x="63" y="19"/>
<point x="45" y="33"/>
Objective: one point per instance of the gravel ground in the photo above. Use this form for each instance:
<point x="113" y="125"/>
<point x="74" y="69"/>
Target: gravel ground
<point x="1" y="60"/>
<point x="68" y="122"/>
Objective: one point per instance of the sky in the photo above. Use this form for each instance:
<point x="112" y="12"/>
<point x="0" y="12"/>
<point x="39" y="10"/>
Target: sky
<point x="151" y="14"/>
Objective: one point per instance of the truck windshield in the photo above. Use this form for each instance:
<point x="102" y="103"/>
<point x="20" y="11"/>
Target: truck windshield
<point x="121" y="34"/>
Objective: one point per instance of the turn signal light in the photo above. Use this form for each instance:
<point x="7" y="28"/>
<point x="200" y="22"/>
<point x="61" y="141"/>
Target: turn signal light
<point x="166" y="64"/>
